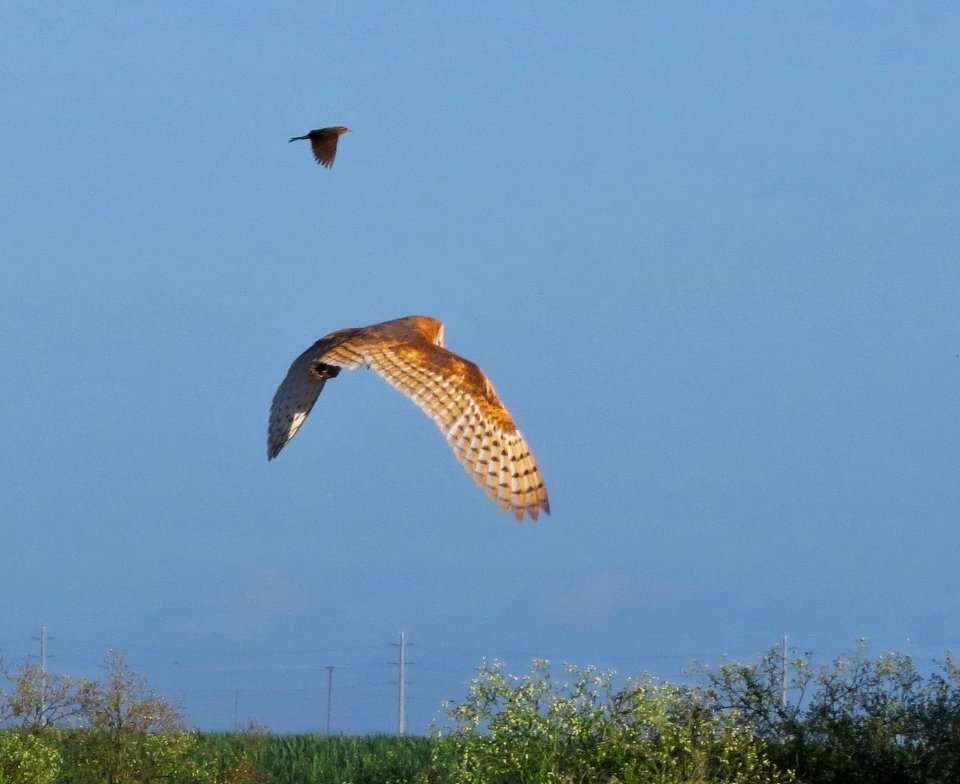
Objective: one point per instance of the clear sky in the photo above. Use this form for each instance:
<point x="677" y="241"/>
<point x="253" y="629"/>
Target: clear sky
<point x="708" y="254"/>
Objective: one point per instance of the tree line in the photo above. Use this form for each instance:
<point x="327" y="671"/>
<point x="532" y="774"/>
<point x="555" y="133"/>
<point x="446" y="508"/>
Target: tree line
<point x="781" y="718"/>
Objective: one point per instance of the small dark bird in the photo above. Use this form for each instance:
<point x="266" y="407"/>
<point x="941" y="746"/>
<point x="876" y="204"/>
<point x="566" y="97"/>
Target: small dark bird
<point x="324" y="143"/>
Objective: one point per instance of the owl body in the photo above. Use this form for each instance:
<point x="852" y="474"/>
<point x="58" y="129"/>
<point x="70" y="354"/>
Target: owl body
<point x="409" y="354"/>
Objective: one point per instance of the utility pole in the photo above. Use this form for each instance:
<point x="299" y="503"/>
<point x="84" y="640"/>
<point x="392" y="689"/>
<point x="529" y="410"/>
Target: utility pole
<point x="329" y="694"/>
<point x="402" y="665"/>
<point x="783" y="675"/>
<point x="43" y="670"/>
<point x="236" y="710"/>
<point x="43" y="649"/>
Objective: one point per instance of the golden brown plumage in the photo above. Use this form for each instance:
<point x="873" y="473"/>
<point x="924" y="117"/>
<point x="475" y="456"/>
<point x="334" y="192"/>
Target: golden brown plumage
<point x="324" y="143"/>
<point x="408" y="353"/>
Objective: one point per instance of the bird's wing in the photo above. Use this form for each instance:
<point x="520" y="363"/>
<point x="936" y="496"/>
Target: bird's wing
<point x="298" y="392"/>
<point x="460" y="399"/>
<point x="324" y="149"/>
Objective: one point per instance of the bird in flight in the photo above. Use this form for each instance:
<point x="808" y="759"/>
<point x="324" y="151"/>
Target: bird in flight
<point x="408" y="354"/>
<point x="324" y="143"/>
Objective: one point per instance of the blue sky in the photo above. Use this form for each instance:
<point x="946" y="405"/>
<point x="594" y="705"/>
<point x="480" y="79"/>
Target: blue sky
<point x="708" y="254"/>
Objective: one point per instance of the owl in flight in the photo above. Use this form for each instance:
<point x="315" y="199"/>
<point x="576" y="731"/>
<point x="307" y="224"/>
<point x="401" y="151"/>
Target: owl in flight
<point x="324" y="143"/>
<point x="408" y="354"/>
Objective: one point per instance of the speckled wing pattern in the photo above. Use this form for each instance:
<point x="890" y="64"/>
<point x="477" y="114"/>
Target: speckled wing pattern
<point x="451" y="390"/>
<point x="297" y="394"/>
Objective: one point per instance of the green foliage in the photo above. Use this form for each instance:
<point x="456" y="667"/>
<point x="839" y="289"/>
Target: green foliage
<point x="531" y="729"/>
<point x="853" y="719"/>
<point x="132" y="735"/>
<point x="98" y="757"/>
<point x="318" y="759"/>
<point x="27" y="759"/>
<point x="129" y="735"/>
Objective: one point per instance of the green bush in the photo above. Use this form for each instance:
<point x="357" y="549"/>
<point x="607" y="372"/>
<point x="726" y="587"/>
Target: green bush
<point x="531" y="729"/>
<point x="98" y="757"/>
<point x="851" y="719"/>
<point x="27" y="759"/>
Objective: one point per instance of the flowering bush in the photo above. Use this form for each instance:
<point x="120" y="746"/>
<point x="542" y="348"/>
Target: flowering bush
<point x="534" y="729"/>
<point x="27" y="759"/>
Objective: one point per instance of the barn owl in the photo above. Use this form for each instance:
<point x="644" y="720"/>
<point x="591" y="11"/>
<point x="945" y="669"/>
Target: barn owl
<point x="408" y="353"/>
<point x="324" y="143"/>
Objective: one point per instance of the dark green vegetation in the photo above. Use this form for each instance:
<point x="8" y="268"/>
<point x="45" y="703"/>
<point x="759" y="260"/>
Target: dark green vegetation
<point x="852" y="719"/>
<point x="299" y="759"/>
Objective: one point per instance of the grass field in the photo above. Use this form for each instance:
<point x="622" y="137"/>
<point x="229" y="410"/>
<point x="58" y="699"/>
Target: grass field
<point x="317" y="759"/>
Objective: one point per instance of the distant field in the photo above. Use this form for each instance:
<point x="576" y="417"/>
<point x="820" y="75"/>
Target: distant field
<point x="318" y="759"/>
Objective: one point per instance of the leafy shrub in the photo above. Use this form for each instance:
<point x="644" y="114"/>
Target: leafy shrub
<point x="27" y="759"/>
<point x="97" y="757"/>
<point x="852" y="719"/>
<point x="532" y="729"/>
<point x="128" y="734"/>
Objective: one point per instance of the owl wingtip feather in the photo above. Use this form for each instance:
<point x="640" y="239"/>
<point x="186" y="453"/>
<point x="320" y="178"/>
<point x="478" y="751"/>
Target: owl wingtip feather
<point x="409" y="354"/>
<point x="533" y="510"/>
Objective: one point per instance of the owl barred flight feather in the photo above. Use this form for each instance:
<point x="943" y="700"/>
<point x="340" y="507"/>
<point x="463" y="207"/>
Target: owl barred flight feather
<point x="408" y="354"/>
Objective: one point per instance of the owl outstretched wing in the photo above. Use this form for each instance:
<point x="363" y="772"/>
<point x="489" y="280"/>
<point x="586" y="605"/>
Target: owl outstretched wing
<point x="298" y="392"/>
<point x="449" y="389"/>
